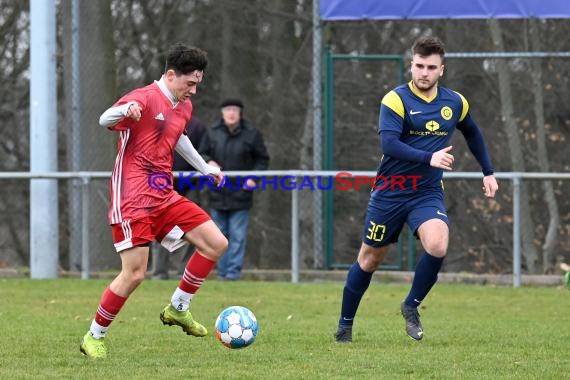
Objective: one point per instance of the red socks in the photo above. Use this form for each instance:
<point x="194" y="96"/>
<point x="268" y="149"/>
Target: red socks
<point x="196" y="271"/>
<point x="109" y="307"/>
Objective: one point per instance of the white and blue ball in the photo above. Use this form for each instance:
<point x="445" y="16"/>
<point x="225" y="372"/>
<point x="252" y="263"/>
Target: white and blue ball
<point x="236" y="327"/>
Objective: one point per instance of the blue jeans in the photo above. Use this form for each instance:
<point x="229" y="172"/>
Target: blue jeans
<point x="233" y="224"/>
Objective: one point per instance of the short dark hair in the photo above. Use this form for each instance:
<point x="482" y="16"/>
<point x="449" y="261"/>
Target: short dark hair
<point x="185" y="59"/>
<point x="425" y="46"/>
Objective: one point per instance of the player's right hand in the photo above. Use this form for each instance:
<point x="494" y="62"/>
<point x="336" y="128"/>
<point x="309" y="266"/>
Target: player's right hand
<point x="441" y="159"/>
<point x="218" y="179"/>
<point x="134" y="112"/>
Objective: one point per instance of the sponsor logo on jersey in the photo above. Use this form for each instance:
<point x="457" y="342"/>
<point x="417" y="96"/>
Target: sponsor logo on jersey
<point x="432" y="125"/>
<point x="446" y="113"/>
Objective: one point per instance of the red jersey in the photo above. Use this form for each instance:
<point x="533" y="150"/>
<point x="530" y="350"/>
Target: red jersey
<point x="145" y="148"/>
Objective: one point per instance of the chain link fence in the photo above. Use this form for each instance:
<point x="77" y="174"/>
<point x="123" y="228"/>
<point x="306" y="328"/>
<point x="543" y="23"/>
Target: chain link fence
<point x="481" y="230"/>
<point x="88" y="82"/>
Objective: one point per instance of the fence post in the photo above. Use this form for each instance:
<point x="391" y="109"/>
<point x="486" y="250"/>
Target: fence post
<point x="411" y="250"/>
<point x="85" y="267"/>
<point x="74" y="142"/>
<point x="295" y="234"/>
<point x="517" y="230"/>
<point x="44" y="213"/>
<point x="317" y="99"/>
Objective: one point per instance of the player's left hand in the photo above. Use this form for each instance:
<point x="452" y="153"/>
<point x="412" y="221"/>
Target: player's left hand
<point x="490" y="186"/>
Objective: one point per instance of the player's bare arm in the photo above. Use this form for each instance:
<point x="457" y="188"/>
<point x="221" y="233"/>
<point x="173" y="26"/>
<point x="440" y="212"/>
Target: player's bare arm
<point x="442" y="159"/>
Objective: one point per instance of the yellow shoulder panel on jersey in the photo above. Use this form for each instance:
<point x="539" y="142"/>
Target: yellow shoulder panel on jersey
<point x="465" y="106"/>
<point x="393" y="101"/>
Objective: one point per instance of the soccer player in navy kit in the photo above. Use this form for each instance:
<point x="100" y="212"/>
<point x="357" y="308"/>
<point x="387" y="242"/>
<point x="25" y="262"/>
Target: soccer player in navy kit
<point x="417" y="120"/>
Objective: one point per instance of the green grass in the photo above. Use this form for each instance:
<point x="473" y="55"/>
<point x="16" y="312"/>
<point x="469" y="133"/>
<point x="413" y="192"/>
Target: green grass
<point x="471" y="332"/>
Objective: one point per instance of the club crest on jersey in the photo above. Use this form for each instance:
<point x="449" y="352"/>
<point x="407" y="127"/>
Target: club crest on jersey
<point x="446" y="113"/>
<point x="432" y="125"/>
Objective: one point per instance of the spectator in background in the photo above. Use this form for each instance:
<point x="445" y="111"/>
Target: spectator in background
<point x="160" y="256"/>
<point x="233" y="144"/>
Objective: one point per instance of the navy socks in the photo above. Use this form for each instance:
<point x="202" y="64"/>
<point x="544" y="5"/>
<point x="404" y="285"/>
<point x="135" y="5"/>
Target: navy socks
<point x="425" y="277"/>
<point x="357" y="281"/>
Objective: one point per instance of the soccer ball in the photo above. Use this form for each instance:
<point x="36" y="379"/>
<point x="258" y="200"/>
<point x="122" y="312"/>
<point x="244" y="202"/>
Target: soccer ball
<point x="236" y="327"/>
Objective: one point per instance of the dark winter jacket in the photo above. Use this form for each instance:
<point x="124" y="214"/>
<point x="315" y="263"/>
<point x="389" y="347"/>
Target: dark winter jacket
<point x="242" y="150"/>
<point x="195" y="130"/>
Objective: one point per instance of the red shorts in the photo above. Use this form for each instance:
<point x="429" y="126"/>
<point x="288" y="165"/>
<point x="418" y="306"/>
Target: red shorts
<point x="167" y="226"/>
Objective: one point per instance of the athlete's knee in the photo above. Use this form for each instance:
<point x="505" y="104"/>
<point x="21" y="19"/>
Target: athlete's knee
<point x="437" y="249"/>
<point x="138" y="277"/>
<point x="221" y="245"/>
<point x="369" y="257"/>
<point x="133" y="277"/>
<point x="368" y="264"/>
<point x="216" y="247"/>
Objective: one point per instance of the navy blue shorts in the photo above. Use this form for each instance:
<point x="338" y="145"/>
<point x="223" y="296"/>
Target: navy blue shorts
<point x="385" y="218"/>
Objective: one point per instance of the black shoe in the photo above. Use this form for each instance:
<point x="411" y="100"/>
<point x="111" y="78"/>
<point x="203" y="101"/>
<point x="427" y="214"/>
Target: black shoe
<point x="413" y="323"/>
<point x="343" y="335"/>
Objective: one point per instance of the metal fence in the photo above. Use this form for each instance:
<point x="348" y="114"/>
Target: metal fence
<point x="294" y="185"/>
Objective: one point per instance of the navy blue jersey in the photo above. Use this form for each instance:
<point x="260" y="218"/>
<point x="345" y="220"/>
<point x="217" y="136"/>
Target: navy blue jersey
<point x="424" y="124"/>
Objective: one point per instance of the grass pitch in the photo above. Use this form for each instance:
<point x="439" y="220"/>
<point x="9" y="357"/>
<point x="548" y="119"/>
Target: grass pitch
<point x="471" y="332"/>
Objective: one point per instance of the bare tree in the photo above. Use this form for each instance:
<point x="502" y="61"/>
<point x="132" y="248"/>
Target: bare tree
<point x="514" y="142"/>
<point x="550" y="239"/>
<point x="14" y="147"/>
<point x="261" y="51"/>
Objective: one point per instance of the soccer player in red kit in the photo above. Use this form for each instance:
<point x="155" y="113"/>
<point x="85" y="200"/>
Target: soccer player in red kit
<point x="144" y="206"/>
